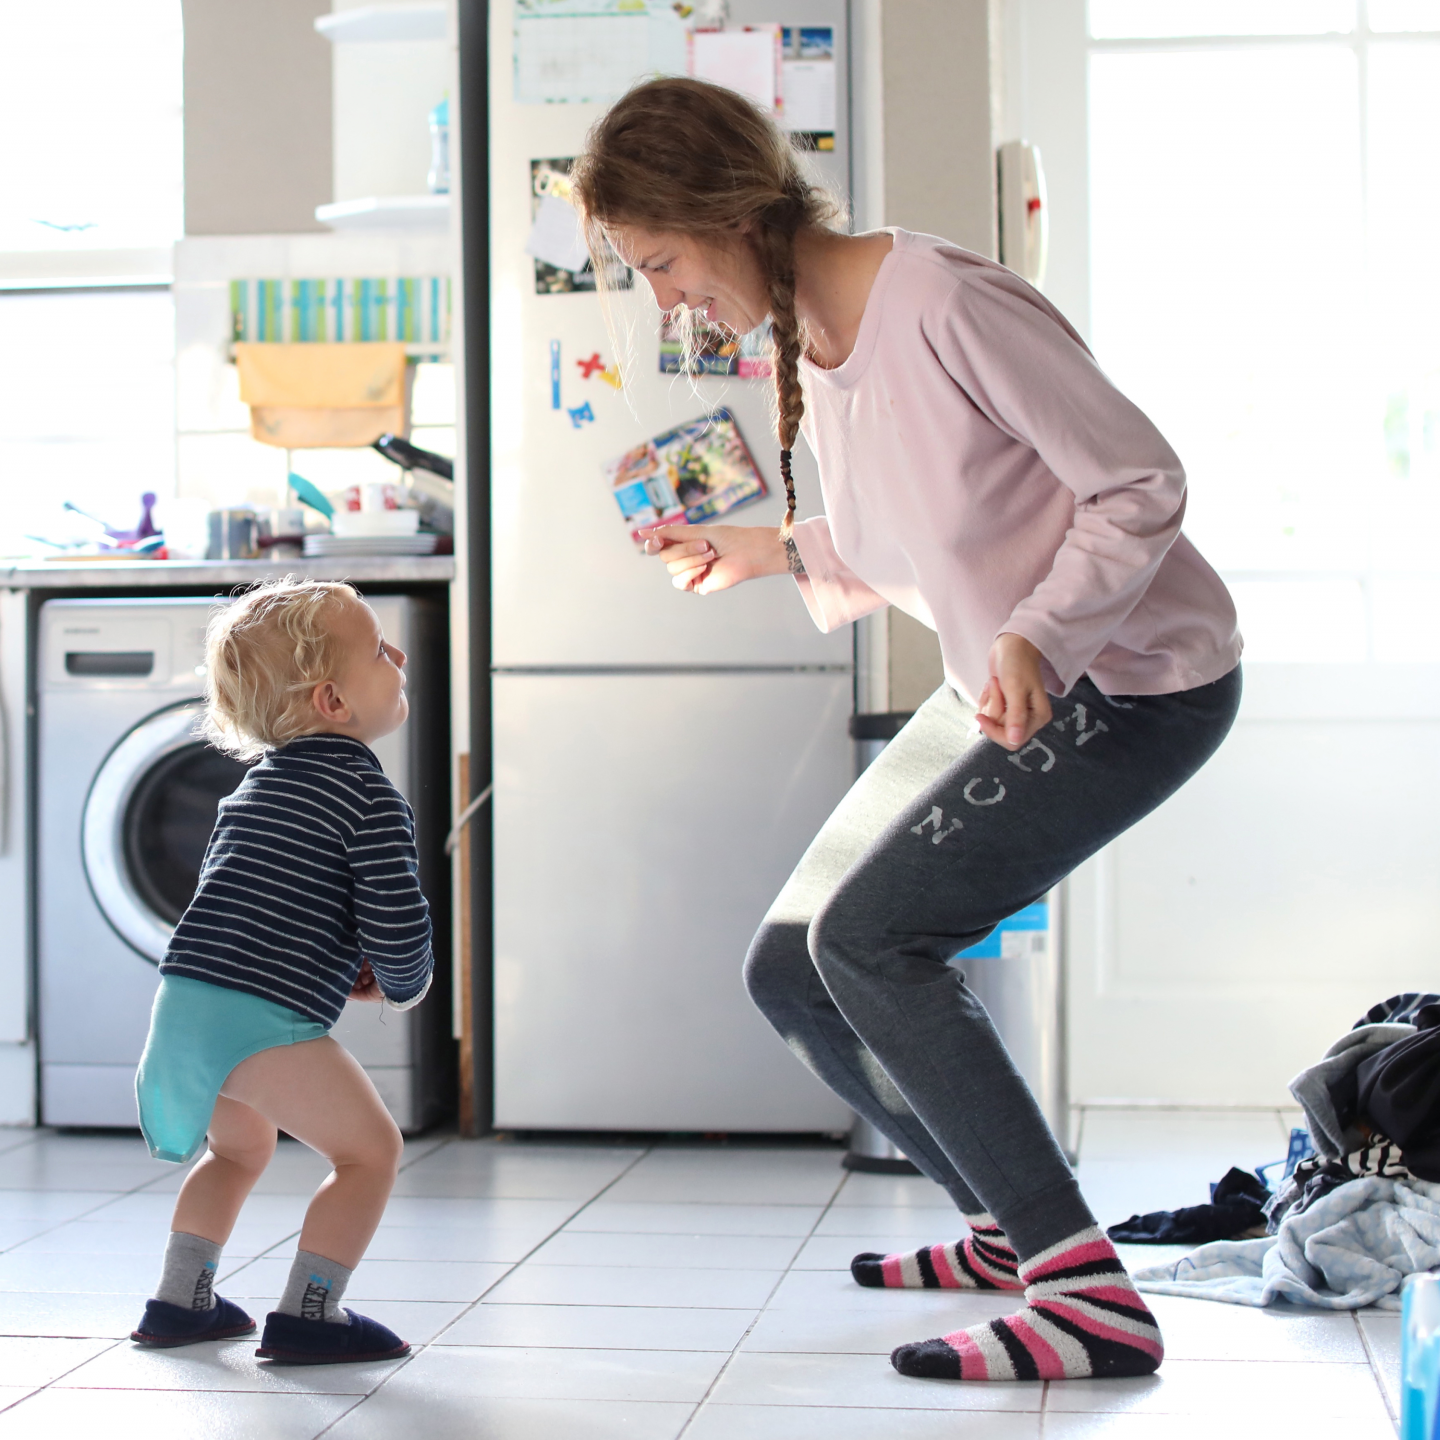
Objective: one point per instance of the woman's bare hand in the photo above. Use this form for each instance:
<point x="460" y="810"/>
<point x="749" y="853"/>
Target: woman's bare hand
<point x="366" y="986"/>
<point x="1013" y="704"/>
<point x="705" y="558"/>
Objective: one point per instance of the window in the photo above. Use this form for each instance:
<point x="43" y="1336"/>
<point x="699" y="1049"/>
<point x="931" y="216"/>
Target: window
<point x="1264" y="191"/>
<point x="91" y="188"/>
<point x="91" y="114"/>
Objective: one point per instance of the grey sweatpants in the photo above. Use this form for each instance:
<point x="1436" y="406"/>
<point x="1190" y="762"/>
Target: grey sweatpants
<point x="938" y="841"/>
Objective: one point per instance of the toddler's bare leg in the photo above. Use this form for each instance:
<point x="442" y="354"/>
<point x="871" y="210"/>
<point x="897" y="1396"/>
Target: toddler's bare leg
<point x="241" y="1142"/>
<point x="317" y="1092"/>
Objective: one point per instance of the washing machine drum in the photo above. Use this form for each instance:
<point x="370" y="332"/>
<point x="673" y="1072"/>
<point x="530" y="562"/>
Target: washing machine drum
<point x="147" y="821"/>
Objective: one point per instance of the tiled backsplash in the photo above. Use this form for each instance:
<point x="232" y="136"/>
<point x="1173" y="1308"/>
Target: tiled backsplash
<point x="216" y="460"/>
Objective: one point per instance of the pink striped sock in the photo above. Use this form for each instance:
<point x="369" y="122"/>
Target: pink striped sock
<point x="983" y="1260"/>
<point x="1082" y="1319"/>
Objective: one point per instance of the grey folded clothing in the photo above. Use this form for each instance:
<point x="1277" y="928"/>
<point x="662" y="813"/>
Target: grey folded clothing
<point x="1328" y="1091"/>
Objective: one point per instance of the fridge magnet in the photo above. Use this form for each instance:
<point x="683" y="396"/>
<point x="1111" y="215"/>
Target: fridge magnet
<point x="692" y="473"/>
<point x="720" y="352"/>
<point x="581" y="415"/>
<point x="556" y="244"/>
<point x="596" y="368"/>
<point x="554" y="374"/>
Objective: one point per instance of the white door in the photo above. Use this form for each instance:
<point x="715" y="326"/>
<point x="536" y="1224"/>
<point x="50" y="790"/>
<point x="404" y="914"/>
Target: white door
<point x="1220" y="946"/>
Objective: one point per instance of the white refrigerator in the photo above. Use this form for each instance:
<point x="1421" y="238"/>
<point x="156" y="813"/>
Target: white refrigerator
<point x="661" y="760"/>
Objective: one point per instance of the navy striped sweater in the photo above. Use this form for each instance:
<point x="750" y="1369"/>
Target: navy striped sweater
<point x="311" y="867"/>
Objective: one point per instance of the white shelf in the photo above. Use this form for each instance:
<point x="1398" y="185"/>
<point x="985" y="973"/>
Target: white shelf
<point x="387" y="212"/>
<point x="383" y="22"/>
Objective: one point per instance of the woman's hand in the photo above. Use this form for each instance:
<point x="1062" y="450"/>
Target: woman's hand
<point x="1013" y="704"/>
<point x="704" y="558"/>
<point x="366" y="986"/>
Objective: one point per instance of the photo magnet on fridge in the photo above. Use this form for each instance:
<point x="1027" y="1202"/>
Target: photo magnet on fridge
<point x="718" y="352"/>
<point x="562" y="263"/>
<point x="695" y="472"/>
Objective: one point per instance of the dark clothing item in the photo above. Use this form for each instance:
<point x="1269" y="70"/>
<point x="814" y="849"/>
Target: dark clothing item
<point x="1315" y="1178"/>
<point x="1397" y="1010"/>
<point x="938" y="841"/>
<point x="1398" y="1091"/>
<point x="1236" y="1202"/>
<point x="311" y="867"/>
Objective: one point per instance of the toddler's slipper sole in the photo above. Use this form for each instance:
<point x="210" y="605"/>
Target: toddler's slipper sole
<point x="171" y="1342"/>
<point x="296" y="1357"/>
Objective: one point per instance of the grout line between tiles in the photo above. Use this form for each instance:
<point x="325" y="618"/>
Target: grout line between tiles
<point x="435" y="1339"/>
<point x="735" y="1349"/>
<point x="1375" y="1370"/>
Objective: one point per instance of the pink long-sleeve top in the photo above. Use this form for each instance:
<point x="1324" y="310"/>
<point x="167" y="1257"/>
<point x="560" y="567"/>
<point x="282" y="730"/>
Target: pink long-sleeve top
<point x="982" y="474"/>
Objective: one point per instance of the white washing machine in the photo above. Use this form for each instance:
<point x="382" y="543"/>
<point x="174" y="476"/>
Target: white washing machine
<point x="126" y="795"/>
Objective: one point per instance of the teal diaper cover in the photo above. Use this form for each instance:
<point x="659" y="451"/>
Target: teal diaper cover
<point x="198" y="1034"/>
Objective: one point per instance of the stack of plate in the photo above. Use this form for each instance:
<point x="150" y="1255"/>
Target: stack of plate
<point x="317" y="546"/>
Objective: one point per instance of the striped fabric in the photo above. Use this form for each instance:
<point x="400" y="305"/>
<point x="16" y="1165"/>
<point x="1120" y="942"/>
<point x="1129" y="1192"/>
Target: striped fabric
<point x="311" y="867"/>
<point x="983" y="1260"/>
<point x="1082" y="1319"/>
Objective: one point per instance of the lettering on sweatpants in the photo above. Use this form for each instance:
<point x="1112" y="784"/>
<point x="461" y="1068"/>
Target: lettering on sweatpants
<point x="1081" y="716"/>
<point x="1018" y="758"/>
<point x="936" y="818"/>
<point x="995" y="799"/>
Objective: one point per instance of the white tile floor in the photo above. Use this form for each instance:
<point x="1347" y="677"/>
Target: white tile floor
<point x="598" y="1291"/>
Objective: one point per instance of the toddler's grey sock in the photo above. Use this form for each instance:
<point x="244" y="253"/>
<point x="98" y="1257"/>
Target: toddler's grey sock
<point x="315" y="1288"/>
<point x="188" y="1278"/>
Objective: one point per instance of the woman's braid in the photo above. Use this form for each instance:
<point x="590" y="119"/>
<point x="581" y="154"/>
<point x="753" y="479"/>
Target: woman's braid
<point x="775" y="241"/>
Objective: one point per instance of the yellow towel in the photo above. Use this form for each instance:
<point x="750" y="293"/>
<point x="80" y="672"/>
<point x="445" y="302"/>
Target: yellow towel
<point x="309" y="396"/>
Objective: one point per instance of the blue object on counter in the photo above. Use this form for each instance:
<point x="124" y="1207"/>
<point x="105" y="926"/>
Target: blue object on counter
<point x="1420" y="1357"/>
<point x="308" y="494"/>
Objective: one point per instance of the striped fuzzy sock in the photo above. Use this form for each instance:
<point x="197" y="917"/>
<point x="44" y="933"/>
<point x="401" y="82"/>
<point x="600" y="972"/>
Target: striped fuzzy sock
<point x="983" y="1260"/>
<point x="1082" y="1319"/>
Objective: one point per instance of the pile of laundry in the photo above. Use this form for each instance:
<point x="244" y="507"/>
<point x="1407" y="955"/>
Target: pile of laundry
<point x="1349" y="1223"/>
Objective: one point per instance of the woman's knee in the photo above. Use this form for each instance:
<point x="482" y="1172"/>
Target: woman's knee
<point x="844" y="938"/>
<point x="777" y="966"/>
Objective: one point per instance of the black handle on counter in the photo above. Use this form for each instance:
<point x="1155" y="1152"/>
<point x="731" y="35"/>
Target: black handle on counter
<point x="412" y="457"/>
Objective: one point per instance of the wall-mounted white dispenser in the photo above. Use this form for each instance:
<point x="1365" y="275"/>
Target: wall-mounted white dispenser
<point x="1024" y="213"/>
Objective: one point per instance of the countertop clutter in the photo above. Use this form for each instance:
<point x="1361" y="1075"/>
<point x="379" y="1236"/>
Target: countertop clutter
<point x="203" y="574"/>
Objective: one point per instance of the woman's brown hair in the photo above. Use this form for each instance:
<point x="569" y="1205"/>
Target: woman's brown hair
<point x="686" y="157"/>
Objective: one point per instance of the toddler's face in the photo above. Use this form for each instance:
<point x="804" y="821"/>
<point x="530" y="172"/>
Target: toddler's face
<point x="371" y="678"/>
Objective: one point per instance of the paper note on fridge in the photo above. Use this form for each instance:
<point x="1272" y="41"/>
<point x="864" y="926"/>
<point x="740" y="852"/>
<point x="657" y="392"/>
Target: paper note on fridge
<point x="555" y="237"/>
<point x="743" y="60"/>
<point x="810" y="96"/>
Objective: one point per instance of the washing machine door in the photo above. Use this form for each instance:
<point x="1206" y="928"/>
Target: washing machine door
<point x="147" y="821"/>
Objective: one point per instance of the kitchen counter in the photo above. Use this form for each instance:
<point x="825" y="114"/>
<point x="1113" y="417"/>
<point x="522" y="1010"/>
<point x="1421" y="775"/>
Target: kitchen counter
<point x="219" y="575"/>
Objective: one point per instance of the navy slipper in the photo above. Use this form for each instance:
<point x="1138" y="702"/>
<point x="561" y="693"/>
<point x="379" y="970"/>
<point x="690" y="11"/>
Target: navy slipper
<point x="289" y="1340"/>
<point x="165" y="1325"/>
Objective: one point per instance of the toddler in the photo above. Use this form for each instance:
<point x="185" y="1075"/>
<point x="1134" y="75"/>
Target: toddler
<point x="308" y="896"/>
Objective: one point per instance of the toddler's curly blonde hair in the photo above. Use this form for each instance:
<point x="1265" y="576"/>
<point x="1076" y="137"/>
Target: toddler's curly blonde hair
<point x="264" y="656"/>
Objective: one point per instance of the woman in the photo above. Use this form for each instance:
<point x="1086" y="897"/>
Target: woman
<point x="980" y="472"/>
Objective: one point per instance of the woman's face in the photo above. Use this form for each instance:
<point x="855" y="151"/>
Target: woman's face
<point x="722" y="282"/>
